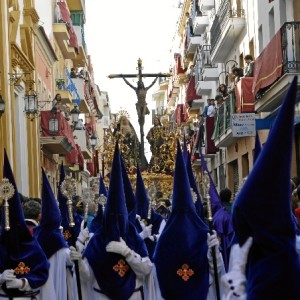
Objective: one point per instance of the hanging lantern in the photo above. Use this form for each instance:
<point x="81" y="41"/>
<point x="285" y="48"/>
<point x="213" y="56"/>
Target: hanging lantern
<point x="30" y="103"/>
<point x="75" y="112"/>
<point x="53" y="125"/>
<point x="93" y="140"/>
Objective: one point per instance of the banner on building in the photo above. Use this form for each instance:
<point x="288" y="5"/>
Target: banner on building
<point x="243" y="124"/>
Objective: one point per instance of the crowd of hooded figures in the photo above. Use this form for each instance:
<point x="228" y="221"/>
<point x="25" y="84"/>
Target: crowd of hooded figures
<point x="129" y="251"/>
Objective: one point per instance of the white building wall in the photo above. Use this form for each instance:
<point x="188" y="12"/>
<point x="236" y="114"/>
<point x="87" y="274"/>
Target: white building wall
<point x="283" y="12"/>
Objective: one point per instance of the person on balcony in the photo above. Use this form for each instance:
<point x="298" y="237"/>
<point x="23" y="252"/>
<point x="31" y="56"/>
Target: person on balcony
<point x="73" y="73"/>
<point x="238" y="73"/>
<point x="56" y="106"/>
<point x="223" y="90"/>
<point x="57" y="98"/>
<point x="249" y="68"/>
<point x="211" y="110"/>
<point x="206" y="107"/>
<point x="190" y="23"/>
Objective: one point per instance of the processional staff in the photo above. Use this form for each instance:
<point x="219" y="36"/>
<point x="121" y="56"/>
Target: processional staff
<point x="7" y="191"/>
<point x="206" y="183"/>
<point x="68" y="189"/>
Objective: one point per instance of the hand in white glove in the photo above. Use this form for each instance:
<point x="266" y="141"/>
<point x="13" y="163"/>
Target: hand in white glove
<point x="119" y="248"/>
<point x="74" y="254"/>
<point x="15" y="283"/>
<point x="234" y="281"/>
<point x="212" y="240"/>
<point x="7" y="275"/>
<point x="147" y="232"/>
<point x="84" y="234"/>
<point x="239" y="255"/>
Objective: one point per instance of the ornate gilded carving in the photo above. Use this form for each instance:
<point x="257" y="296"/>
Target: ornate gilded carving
<point x="18" y="58"/>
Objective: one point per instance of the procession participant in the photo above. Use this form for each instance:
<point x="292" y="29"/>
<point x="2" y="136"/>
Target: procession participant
<point x="97" y="221"/>
<point x="116" y="263"/>
<point x="149" y="224"/>
<point x="24" y="269"/>
<point x="262" y="210"/>
<point x="51" y="239"/>
<point x="182" y="259"/>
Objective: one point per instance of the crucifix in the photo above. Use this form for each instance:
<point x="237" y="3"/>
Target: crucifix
<point x="141" y="105"/>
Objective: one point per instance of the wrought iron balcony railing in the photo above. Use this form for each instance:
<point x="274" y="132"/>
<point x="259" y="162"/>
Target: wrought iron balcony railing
<point x="223" y="115"/>
<point x="224" y="13"/>
<point x="290" y="33"/>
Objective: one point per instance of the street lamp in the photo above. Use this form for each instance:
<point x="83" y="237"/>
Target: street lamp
<point x="30" y="103"/>
<point x="93" y="140"/>
<point x="2" y="106"/>
<point x="75" y="112"/>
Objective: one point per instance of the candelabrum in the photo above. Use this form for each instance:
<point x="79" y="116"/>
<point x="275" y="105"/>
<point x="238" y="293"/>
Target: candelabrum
<point x="6" y="192"/>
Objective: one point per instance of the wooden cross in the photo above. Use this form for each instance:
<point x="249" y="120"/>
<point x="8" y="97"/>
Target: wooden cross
<point x="141" y="105"/>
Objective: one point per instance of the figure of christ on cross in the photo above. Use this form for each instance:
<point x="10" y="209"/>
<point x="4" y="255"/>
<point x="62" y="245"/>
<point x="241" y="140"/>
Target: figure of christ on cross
<point x="141" y="105"/>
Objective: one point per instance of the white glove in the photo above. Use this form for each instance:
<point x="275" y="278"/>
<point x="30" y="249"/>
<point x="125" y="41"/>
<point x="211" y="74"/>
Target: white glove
<point x="234" y="281"/>
<point x="239" y="255"/>
<point x="7" y="275"/>
<point x="147" y="231"/>
<point x="119" y="248"/>
<point x="15" y="283"/>
<point x="74" y="254"/>
<point x="212" y="241"/>
<point x="84" y="234"/>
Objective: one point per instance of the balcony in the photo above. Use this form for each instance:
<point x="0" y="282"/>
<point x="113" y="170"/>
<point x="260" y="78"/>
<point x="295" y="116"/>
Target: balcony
<point x="280" y="62"/>
<point x="79" y="83"/>
<point x="205" y="87"/>
<point x="83" y="141"/>
<point x="62" y="37"/>
<point x="196" y="106"/>
<point x="227" y="26"/>
<point x="80" y="60"/>
<point x="222" y="134"/>
<point x="61" y="88"/>
<point x="200" y="24"/>
<point x="76" y="5"/>
<point x="191" y="44"/>
<point x="56" y="134"/>
<point x="206" y="5"/>
<point x="163" y="83"/>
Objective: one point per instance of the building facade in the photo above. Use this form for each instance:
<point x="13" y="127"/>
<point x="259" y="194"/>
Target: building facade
<point x="213" y="39"/>
<point x="46" y="62"/>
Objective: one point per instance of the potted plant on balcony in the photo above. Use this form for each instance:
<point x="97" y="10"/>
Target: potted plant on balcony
<point x="60" y="83"/>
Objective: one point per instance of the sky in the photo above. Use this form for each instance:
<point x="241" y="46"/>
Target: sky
<point x="117" y="33"/>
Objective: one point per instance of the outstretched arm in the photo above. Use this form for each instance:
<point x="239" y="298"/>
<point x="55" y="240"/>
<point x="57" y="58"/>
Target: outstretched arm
<point x="128" y="83"/>
<point x="151" y="85"/>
